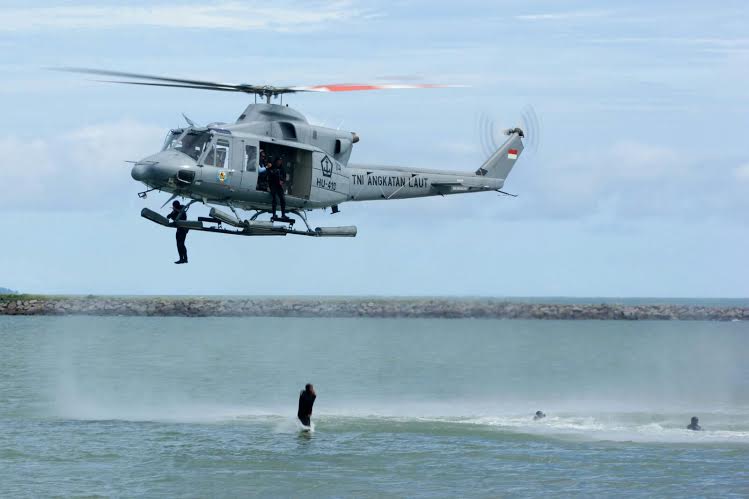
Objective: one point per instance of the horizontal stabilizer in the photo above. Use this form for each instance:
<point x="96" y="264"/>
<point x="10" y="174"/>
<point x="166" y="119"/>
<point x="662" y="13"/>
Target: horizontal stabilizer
<point x="446" y="184"/>
<point x="450" y="187"/>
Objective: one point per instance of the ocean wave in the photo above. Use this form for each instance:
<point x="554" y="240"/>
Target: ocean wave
<point x="617" y="425"/>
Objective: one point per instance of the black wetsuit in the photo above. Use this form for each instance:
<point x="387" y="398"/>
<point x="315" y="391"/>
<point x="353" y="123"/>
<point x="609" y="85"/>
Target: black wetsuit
<point x="694" y="427"/>
<point x="306" y="401"/>
<point x="276" y="177"/>
<point x="181" y="234"/>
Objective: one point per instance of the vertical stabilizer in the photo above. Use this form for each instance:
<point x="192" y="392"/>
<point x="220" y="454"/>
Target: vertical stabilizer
<point x="501" y="162"/>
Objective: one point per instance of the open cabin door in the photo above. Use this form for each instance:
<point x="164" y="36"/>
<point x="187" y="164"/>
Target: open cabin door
<point x="298" y="165"/>
<point x="302" y="175"/>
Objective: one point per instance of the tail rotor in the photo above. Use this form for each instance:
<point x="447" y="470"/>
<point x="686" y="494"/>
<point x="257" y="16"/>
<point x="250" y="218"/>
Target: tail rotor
<point x="491" y="136"/>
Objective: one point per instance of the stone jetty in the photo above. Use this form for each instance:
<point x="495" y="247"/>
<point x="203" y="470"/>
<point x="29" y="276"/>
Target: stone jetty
<point x="441" y="308"/>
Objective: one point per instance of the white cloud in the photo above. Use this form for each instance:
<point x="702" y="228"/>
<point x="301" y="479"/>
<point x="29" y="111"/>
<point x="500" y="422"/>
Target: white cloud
<point x="219" y="15"/>
<point x="84" y="168"/>
<point x="742" y="172"/>
<point x="712" y="43"/>
<point x="630" y="180"/>
<point x="626" y="181"/>
<point x="565" y="16"/>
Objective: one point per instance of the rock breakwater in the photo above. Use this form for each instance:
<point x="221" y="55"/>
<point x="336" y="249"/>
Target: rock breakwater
<point x="357" y="307"/>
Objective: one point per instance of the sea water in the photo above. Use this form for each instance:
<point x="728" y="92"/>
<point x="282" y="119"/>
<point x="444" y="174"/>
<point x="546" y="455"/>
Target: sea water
<point x="124" y="406"/>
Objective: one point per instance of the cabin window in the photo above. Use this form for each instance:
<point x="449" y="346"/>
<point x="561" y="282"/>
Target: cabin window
<point x="337" y="146"/>
<point x="288" y="131"/>
<point x="250" y="158"/>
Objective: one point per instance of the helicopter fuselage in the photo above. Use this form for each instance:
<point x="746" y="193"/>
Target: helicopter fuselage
<point x="220" y="164"/>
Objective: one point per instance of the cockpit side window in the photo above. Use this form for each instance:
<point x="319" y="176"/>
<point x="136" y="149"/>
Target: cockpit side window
<point x="222" y="153"/>
<point x="210" y="157"/>
<point x="217" y="154"/>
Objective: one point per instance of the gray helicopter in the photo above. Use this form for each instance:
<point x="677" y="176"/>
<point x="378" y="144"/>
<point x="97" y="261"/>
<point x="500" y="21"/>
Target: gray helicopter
<point x="220" y="164"/>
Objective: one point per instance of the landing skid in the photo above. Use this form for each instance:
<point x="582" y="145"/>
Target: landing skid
<point x="218" y="220"/>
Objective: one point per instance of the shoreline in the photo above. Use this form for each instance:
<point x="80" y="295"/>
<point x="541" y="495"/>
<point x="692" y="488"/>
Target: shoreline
<point x="438" y="308"/>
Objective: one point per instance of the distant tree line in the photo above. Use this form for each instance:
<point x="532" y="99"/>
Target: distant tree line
<point x="6" y="291"/>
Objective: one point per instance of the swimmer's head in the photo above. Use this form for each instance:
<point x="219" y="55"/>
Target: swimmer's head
<point x="695" y="420"/>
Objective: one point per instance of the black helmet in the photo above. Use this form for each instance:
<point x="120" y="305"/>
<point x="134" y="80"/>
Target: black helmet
<point x="176" y="204"/>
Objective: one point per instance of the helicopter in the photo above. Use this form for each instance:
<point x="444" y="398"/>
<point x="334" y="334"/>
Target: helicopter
<point x="219" y="164"/>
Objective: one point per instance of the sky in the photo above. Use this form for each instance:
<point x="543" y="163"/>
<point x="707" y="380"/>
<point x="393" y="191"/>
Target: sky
<point x="638" y="186"/>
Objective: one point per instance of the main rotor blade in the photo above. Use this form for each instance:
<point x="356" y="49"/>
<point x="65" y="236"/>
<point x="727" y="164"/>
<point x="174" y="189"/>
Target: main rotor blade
<point x="138" y="76"/>
<point x="174" y="85"/>
<point x="265" y="90"/>
<point x="355" y="87"/>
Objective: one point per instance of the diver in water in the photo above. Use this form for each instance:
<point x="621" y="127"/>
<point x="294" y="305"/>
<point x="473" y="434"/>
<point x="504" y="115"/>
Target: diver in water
<point x="538" y="415"/>
<point x="694" y="425"/>
<point x="306" y="401"/>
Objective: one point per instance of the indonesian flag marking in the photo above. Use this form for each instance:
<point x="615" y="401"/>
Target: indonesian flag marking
<point x="512" y="154"/>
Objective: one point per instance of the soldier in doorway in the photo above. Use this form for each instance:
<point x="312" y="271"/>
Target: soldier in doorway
<point x="276" y="179"/>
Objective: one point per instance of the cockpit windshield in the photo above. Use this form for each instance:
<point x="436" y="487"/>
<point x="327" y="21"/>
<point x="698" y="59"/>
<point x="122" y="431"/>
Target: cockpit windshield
<point x="190" y="142"/>
<point x="171" y="141"/>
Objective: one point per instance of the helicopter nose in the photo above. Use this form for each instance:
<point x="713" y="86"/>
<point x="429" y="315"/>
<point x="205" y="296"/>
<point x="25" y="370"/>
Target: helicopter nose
<point x="140" y="171"/>
<point x="161" y="167"/>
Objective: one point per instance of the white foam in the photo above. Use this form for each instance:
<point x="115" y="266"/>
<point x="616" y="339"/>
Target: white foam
<point x="617" y="427"/>
<point x="613" y="427"/>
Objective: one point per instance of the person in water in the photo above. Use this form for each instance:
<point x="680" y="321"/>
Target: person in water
<point x="538" y="415"/>
<point x="694" y="425"/>
<point x="306" y="401"/>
